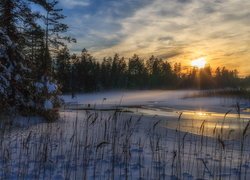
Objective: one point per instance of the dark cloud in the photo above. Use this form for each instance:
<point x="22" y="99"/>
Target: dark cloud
<point x="168" y="12"/>
<point x="170" y="54"/>
<point x="222" y="35"/>
<point x="236" y="53"/>
<point x="184" y="1"/>
<point x="209" y="9"/>
<point x="166" y="38"/>
<point x="239" y="17"/>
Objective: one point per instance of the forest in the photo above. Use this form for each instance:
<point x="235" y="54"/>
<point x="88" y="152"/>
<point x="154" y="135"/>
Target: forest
<point x="84" y="73"/>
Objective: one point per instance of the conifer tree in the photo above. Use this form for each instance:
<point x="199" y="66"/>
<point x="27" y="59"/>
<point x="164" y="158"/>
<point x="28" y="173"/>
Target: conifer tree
<point x="54" y="28"/>
<point x="23" y="44"/>
<point x="63" y="68"/>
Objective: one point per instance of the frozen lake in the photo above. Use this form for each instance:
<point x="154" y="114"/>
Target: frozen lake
<point x="160" y="98"/>
<point x="168" y="105"/>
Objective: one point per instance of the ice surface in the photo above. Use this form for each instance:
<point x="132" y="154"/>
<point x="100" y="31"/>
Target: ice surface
<point x="161" y="98"/>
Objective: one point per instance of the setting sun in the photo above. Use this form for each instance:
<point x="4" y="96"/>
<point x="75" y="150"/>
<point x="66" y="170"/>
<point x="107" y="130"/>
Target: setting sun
<point x="199" y="63"/>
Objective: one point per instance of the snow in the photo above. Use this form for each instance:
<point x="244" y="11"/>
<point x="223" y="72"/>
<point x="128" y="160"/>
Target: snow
<point x="6" y="38"/>
<point x="48" y="105"/>
<point x="2" y="52"/>
<point x="87" y="144"/>
<point x="18" y="77"/>
<point x="39" y="87"/>
<point x="2" y="89"/>
<point x="51" y="87"/>
<point x="4" y="80"/>
<point x="24" y="68"/>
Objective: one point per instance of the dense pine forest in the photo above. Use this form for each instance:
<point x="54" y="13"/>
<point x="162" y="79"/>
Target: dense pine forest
<point x="84" y="73"/>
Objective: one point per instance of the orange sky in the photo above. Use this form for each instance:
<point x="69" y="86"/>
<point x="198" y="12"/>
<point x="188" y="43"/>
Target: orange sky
<point x="177" y="30"/>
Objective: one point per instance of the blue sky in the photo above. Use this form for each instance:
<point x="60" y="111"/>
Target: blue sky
<point x="177" y="30"/>
<point x="97" y="23"/>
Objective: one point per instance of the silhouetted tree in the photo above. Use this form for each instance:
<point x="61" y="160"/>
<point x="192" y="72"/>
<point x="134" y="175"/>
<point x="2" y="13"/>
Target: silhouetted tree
<point x="63" y="69"/>
<point x="205" y="78"/>
<point x="106" y="67"/>
<point x="118" y="72"/>
<point x="85" y="68"/>
<point x="137" y="72"/>
<point x="167" y="76"/>
<point x="154" y="67"/>
<point x="54" y="28"/>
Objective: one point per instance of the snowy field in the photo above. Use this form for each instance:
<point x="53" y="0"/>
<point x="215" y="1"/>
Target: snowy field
<point x="131" y="135"/>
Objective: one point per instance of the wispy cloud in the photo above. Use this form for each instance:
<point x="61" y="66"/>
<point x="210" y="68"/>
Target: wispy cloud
<point x="178" y="30"/>
<point x="74" y="3"/>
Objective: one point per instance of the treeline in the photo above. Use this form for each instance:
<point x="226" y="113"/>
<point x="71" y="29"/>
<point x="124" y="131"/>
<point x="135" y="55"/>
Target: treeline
<point x="83" y="73"/>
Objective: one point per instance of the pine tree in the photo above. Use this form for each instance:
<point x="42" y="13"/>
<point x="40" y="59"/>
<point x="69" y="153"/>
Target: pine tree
<point x="8" y="18"/>
<point x="63" y="68"/>
<point x="137" y="72"/>
<point x="54" y="28"/>
<point x="15" y="18"/>
<point x="106" y="72"/>
<point x="118" y="71"/>
<point x="23" y="44"/>
<point x="14" y="82"/>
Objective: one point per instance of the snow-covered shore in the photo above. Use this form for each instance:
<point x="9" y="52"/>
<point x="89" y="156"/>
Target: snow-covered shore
<point x="148" y="141"/>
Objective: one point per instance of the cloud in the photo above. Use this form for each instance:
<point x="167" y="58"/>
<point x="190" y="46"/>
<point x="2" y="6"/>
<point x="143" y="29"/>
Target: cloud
<point x="74" y="3"/>
<point x="179" y="30"/>
<point x="170" y="54"/>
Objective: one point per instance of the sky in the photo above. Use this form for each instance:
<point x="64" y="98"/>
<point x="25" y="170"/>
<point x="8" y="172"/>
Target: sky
<point x="175" y="30"/>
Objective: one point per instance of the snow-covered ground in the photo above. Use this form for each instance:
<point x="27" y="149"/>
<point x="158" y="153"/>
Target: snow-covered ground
<point x="150" y="135"/>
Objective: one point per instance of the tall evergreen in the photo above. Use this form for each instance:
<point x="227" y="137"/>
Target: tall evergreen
<point x="106" y="67"/>
<point x="25" y="82"/>
<point x="16" y="17"/>
<point x="54" y="29"/>
<point x="8" y="18"/>
<point x="118" y="72"/>
<point x="137" y="73"/>
<point x="63" y="69"/>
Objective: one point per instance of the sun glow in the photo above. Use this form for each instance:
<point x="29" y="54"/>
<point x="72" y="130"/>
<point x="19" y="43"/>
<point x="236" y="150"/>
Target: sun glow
<point x="199" y="63"/>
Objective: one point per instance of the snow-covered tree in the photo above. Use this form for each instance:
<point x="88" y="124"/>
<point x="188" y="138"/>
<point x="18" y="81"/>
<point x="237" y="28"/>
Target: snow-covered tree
<point x="27" y="38"/>
<point x="14" y="86"/>
<point x="18" y="91"/>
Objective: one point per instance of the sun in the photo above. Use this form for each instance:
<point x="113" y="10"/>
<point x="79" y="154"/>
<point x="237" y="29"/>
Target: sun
<point x="199" y="63"/>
